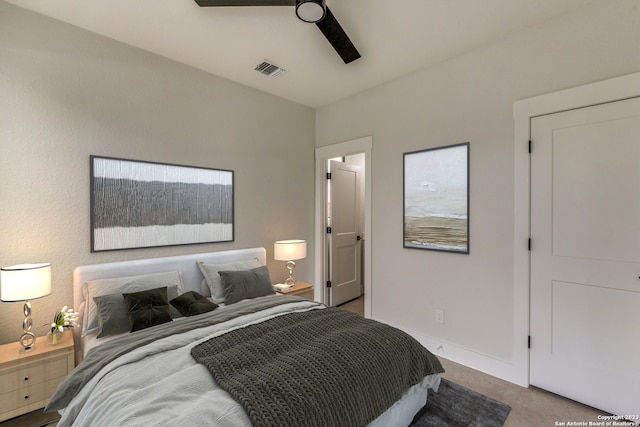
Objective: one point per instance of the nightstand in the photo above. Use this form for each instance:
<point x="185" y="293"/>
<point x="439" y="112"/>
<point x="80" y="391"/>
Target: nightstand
<point x="301" y="289"/>
<point x="28" y="379"/>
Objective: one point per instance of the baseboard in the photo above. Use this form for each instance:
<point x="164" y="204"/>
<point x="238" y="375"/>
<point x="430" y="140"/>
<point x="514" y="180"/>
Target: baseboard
<point x="491" y="365"/>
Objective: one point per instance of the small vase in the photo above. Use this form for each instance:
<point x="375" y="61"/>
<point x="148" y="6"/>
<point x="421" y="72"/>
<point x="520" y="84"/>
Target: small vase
<point x="53" y="338"/>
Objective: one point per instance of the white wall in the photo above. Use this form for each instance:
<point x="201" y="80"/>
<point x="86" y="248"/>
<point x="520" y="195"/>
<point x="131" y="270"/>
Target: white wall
<point x="470" y="98"/>
<point x="66" y="93"/>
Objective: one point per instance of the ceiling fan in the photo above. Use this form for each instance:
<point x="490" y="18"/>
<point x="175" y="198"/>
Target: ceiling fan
<point x="312" y="11"/>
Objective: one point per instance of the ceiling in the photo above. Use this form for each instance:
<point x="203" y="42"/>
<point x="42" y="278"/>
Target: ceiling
<point x="395" y="38"/>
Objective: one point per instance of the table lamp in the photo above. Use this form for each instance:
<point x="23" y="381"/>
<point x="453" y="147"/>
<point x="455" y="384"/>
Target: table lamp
<point x="290" y="250"/>
<point x="25" y="282"/>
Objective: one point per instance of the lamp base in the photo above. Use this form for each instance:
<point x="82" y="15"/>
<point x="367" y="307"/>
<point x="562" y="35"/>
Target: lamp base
<point x="290" y="280"/>
<point x="27" y="341"/>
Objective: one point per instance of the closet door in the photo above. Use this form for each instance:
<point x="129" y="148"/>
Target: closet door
<point x="585" y="258"/>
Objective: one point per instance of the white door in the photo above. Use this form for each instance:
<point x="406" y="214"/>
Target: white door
<point x="585" y="255"/>
<point x="344" y="239"/>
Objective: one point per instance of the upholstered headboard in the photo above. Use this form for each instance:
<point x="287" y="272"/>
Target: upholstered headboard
<point x="186" y="264"/>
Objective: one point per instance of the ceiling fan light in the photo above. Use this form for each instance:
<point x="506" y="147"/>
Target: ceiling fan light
<point x="310" y="10"/>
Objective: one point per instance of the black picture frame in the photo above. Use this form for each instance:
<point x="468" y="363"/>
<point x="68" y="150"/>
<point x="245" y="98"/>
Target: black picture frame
<point x="436" y="199"/>
<point x="141" y="204"/>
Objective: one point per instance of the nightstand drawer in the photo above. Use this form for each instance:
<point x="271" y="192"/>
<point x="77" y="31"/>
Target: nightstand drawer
<point x="33" y="373"/>
<point x="34" y="396"/>
<point x="28" y="379"/>
<point x="308" y="294"/>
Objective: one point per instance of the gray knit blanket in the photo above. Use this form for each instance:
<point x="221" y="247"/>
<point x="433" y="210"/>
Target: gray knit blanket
<point x="318" y="368"/>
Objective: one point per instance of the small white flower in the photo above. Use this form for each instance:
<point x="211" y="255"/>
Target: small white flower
<point x="66" y="317"/>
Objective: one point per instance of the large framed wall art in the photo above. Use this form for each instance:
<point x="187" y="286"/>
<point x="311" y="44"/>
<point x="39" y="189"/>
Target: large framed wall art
<point x="436" y="199"/>
<point x="137" y="204"/>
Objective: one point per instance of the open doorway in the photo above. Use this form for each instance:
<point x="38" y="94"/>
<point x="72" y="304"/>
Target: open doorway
<point x="351" y="154"/>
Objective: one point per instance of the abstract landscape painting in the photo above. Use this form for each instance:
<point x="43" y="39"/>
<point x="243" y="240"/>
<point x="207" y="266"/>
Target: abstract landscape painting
<point x="143" y="204"/>
<point x="436" y="199"/>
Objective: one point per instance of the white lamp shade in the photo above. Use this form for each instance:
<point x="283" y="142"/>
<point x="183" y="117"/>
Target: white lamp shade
<point x="289" y="250"/>
<point x="25" y="282"/>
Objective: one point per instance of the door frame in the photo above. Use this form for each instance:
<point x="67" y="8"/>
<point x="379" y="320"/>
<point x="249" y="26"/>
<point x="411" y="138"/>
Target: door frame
<point x="611" y="90"/>
<point x="323" y="154"/>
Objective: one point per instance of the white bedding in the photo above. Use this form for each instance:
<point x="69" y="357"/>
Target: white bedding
<point x="146" y="396"/>
<point x="92" y="341"/>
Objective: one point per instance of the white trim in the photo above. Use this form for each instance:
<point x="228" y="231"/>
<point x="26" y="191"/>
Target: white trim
<point x="356" y="146"/>
<point x="500" y="368"/>
<point x="583" y="96"/>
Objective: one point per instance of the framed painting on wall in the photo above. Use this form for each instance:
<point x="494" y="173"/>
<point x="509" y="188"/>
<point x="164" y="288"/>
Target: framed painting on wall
<point x="137" y="204"/>
<point x="436" y="199"/>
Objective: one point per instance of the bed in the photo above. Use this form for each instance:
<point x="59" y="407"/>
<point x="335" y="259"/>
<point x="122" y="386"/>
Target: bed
<point x="255" y="358"/>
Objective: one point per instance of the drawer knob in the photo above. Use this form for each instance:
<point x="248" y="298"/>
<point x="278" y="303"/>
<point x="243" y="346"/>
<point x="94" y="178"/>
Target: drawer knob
<point x="26" y="397"/>
<point x="26" y="378"/>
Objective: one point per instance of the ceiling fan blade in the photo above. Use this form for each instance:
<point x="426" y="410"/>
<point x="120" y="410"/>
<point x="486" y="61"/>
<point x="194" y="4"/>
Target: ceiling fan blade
<point x="328" y="25"/>
<point x="214" y="3"/>
<point x="338" y="38"/>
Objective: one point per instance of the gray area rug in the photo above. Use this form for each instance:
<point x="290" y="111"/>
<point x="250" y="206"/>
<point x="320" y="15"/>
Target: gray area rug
<point x="454" y="405"/>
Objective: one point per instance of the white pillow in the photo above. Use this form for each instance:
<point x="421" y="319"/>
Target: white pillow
<point x="204" y="288"/>
<point x="210" y="273"/>
<point x="114" y="285"/>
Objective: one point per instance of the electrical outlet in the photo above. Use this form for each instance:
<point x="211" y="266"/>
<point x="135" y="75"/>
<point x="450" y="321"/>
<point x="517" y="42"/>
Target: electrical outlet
<point x="440" y="316"/>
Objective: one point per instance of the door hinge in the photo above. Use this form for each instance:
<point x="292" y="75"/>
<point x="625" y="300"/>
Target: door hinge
<point x="529" y="244"/>
<point x="328" y="230"/>
<point x="328" y="283"/>
<point x="530" y="144"/>
<point x="328" y="175"/>
<point x="529" y="341"/>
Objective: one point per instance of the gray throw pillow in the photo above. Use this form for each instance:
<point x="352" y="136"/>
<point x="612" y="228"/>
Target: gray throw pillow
<point x="147" y="308"/>
<point x="239" y="285"/>
<point x="95" y="288"/>
<point x="192" y="303"/>
<point x="212" y="278"/>
<point x="113" y="316"/>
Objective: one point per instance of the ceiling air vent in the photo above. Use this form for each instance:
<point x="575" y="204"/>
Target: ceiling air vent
<point x="269" y="69"/>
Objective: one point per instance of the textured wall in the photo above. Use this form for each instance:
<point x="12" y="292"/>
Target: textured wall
<point x="470" y="98"/>
<point x="67" y="94"/>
